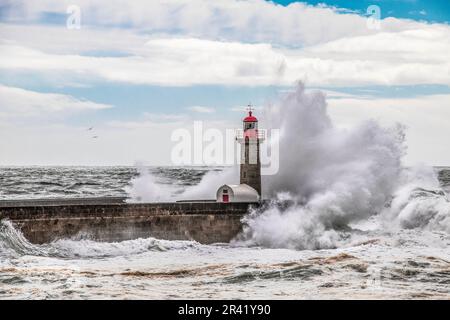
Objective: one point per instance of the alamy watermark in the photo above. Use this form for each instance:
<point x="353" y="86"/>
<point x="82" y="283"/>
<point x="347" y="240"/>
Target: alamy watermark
<point x="74" y="19"/>
<point x="374" y="17"/>
<point x="213" y="147"/>
<point x="375" y="278"/>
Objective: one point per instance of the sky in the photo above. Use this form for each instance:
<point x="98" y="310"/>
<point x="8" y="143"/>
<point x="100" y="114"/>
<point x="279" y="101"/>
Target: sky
<point x="107" y="82"/>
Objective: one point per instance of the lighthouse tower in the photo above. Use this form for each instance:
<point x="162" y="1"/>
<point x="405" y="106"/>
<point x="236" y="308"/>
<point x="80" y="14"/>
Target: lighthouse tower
<point x="250" y="139"/>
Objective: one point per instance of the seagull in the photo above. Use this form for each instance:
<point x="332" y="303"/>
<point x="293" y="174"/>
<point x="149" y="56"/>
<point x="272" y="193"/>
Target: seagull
<point x="90" y="129"/>
<point x="94" y="137"/>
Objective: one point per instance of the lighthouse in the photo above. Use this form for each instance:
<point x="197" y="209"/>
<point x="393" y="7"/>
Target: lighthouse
<point x="249" y="189"/>
<point x="250" y="138"/>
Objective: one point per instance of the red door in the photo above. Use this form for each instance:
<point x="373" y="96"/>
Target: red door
<point x="225" y="198"/>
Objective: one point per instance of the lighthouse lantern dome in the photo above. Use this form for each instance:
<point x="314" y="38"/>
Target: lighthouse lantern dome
<point x="250" y="122"/>
<point x="250" y="117"/>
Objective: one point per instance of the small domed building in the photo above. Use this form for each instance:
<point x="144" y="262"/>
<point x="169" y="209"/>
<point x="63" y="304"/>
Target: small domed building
<point x="237" y="193"/>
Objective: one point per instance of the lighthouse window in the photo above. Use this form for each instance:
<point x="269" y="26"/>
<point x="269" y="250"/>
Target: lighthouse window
<point x="225" y="191"/>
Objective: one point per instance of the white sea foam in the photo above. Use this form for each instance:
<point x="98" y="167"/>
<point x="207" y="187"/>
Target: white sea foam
<point x="396" y="265"/>
<point x="331" y="182"/>
<point x="145" y="188"/>
<point x="13" y="244"/>
<point x="210" y="183"/>
<point x="331" y="177"/>
<point x="69" y="248"/>
<point x="419" y="202"/>
<point x="336" y="177"/>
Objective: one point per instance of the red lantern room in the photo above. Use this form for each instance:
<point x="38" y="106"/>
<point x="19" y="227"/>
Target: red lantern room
<point x="250" y="117"/>
<point x="250" y="125"/>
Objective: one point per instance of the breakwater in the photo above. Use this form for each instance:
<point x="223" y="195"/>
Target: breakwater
<point x="111" y="219"/>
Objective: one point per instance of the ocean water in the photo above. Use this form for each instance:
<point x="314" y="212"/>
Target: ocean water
<point x="75" y="182"/>
<point x="373" y="262"/>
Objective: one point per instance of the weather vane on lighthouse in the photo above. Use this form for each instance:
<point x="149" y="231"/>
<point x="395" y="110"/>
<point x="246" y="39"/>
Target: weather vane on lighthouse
<point x="250" y="108"/>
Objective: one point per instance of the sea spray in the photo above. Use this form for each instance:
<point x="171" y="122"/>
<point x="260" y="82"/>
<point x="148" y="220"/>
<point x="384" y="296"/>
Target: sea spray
<point x="210" y="184"/>
<point x="419" y="202"/>
<point x="13" y="244"/>
<point x="145" y="188"/>
<point x="335" y="177"/>
<point x="88" y="249"/>
<point x="332" y="176"/>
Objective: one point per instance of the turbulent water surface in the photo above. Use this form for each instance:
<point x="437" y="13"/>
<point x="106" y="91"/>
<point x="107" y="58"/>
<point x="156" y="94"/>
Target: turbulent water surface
<point x="369" y="262"/>
<point x="75" y="182"/>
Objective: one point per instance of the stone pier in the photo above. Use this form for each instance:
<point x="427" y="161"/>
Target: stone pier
<point x="111" y="219"/>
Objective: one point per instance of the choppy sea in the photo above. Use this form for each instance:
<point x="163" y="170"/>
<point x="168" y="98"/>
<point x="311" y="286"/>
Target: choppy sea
<point x="378" y="264"/>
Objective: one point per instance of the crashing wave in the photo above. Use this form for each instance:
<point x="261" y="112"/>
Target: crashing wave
<point x="13" y="244"/>
<point x="332" y="177"/>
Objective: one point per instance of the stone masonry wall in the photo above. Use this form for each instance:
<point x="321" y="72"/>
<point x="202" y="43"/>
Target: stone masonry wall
<point x="205" y="222"/>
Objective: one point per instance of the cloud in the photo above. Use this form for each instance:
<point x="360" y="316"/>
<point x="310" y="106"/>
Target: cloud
<point x="166" y="117"/>
<point x="201" y="109"/>
<point x="297" y="24"/>
<point x="69" y="145"/>
<point x="151" y="120"/>
<point x="425" y="119"/>
<point x="405" y="58"/>
<point x="224" y="42"/>
<point x="17" y="102"/>
<point x="169" y="62"/>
